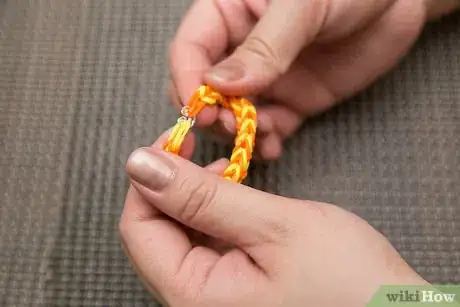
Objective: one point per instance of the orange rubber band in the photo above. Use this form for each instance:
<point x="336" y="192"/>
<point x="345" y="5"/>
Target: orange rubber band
<point x="246" y="124"/>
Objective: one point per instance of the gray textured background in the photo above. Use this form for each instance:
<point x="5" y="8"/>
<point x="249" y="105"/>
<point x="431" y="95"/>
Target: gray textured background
<point x="83" y="83"/>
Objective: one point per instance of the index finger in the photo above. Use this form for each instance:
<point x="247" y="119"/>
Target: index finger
<point x="200" y="41"/>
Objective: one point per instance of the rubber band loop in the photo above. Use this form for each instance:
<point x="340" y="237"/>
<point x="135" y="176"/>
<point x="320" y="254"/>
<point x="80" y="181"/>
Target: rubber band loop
<point x="246" y="125"/>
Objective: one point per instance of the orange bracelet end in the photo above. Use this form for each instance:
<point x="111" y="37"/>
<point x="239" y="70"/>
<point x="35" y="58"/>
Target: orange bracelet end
<point x="246" y="126"/>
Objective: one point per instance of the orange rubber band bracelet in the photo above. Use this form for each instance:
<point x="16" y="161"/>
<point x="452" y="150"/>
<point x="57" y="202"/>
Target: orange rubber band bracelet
<point x="246" y="124"/>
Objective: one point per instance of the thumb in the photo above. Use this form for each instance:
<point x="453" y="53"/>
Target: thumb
<point x="208" y="203"/>
<point x="270" y="49"/>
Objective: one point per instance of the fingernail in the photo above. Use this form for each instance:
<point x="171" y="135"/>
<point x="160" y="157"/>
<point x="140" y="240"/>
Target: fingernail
<point x="228" y="71"/>
<point x="150" y="169"/>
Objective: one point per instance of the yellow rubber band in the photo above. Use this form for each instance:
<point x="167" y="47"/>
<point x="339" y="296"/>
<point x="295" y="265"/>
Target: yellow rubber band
<point x="246" y="125"/>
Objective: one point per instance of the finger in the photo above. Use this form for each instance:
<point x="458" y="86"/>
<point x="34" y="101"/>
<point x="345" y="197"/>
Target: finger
<point x="224" y="129"/>
<point x="218" y="167"/>
<point x="379" y="47"/>
<point x="240" y="17"/>
<point x="139" y="211"/>
<point x="142" y="276"/>
<point x="285" y="28"/>
<point x="198" y="43"/>
<point x="147" y="212"/>
<point x="188" y="145"/>
<point x="223" y="132"/>
<point x="162" y="253"/>
<point x="345" y="18"/>
<point x="257" y="7"/>
<point x="327" y="74"/>
<point x="299" y="94"/>
<point x="205" y="202"/>
<point x="201" y="42"/>
<point x="285" y="120"/>
<point x="277" y="122"/>
<point x="199" y="239"/>
<point x="437" y="9"/>
<point x="148" y="235"/>
<point x="204" y="119"/>
<point x="228" y="122"/>
<point x="271" y="147"/>
<point x="157" y="246"/>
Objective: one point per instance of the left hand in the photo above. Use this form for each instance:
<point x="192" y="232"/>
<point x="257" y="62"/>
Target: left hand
<point x="302" y="57"/>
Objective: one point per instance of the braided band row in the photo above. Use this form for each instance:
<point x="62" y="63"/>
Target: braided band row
<point x="246" y="123"/>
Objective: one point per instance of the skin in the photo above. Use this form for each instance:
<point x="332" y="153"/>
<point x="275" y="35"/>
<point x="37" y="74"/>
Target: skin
<point x="322" y="53"/>
<point x="217" y="243"/>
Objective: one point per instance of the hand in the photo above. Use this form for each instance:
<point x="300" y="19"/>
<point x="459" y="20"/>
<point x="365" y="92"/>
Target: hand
<point x="302" y="57"/>
<point x="256" y="249"/>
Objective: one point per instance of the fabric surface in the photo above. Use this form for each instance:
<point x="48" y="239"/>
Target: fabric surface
<point x="83" y="83"/>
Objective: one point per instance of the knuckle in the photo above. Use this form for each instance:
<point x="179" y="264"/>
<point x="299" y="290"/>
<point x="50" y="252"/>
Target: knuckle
<point x="285" y="226"/>
<point x="278" y="232"/>
<point x="201" y="195"/>
<point x="260" y="48"/>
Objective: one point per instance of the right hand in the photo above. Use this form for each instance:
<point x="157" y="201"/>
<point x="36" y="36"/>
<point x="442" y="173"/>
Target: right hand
<point x="301" y="56"/>
<point x="283" y="252"/>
